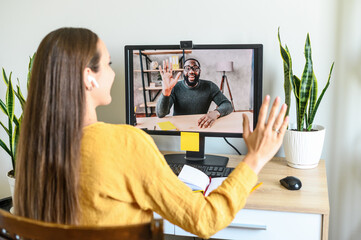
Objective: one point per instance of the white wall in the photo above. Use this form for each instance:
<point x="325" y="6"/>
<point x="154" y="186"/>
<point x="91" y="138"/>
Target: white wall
<point x="334" y="36"/>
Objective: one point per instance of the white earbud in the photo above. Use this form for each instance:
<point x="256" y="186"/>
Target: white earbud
<point x="92" y="79"/>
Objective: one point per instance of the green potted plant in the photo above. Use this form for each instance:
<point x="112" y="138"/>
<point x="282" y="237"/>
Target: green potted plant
<point x="303" y="141"/>
<point x="13" y="124"/>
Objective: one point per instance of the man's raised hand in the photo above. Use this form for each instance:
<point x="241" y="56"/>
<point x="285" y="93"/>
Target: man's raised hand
<point x="168" y="82"/>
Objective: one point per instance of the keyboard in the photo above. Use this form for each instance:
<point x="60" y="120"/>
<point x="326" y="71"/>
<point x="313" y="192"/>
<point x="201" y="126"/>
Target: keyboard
<point x="210" y="171"/>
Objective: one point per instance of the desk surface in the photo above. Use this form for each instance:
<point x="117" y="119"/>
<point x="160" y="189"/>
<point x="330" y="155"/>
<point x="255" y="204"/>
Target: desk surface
<point x="311" y="198"/>
<point x="271" y="195"/>
<point x="231" y="123"/>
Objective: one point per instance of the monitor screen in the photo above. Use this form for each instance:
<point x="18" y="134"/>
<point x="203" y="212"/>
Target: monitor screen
<point x="222" y="78"/>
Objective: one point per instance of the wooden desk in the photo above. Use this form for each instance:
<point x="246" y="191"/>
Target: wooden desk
<point x="231" y="123"/>
<point x="311" y="198"/>
<point x="273" y="201"/>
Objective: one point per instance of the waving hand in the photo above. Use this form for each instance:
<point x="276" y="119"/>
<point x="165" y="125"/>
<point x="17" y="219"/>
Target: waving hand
<point x="167" y="76"/>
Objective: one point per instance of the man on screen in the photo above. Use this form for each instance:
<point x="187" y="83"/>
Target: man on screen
<point x="191" y="95"/>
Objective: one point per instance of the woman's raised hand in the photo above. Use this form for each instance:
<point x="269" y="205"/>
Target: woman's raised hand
<point x="264" y="142"/>
<point x="167" y="76"/>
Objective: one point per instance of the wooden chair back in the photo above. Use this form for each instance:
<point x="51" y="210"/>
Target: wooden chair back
<point x="15" y="227"/>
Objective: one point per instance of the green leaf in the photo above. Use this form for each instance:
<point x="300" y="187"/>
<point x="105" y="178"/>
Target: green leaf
<point x="313" y="99"/>
<point x="291" y="77"/>
<point x="321" y="96"/>
<point x="10" y="127"/>
<point x="30" y="67"/>
<point x="287" y="70"/>
<point x="3" y="145"/>
<point x="297" y="83"/>
<point x="20" y="96"/>
<point x="5" y="78"/>
<point x="10" y="104"/>
<point x="13" y="143"/>
<point x="10" y="109"/>
<point x="16" y="121"/>
<point x="10" y="100"/>
<point x="16" y="140"/>
<point x="3" y="107"/>
<point x="305" y="87"/>
<point x="13" y="140"/>
<point x="5" y="128"/>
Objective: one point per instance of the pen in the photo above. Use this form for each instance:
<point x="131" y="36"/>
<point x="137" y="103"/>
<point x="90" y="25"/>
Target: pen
<point x="257" y="186"/>
<point x="198" y="191"/>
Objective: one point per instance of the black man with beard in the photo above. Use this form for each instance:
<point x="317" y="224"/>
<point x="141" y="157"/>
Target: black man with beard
<point x="191" y="95"/>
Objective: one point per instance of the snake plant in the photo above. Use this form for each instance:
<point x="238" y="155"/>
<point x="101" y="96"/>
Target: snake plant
<point x="304" y="89"/>
<point x="13" y="124"/>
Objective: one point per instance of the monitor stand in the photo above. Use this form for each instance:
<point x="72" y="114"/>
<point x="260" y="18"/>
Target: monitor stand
<point x="197" y="158"/>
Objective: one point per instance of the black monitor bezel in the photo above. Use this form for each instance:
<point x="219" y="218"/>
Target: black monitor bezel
<point x="258" y="74"/>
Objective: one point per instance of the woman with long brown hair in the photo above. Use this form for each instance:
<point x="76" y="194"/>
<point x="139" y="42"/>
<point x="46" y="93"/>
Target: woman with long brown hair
<point x="73" y="169"/>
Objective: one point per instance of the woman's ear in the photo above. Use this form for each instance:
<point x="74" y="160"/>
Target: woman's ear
<point x="88" y="80"/>
<point x="87" y="83"/>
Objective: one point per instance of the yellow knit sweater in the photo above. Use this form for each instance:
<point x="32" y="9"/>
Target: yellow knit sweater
<point x="124" y="178"/>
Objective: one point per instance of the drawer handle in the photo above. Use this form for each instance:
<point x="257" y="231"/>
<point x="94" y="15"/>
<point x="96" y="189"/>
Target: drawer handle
<point x="248" y="226"/>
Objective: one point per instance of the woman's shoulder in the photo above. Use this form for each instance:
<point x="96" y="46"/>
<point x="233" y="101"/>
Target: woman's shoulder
<point x="118" y="130"/>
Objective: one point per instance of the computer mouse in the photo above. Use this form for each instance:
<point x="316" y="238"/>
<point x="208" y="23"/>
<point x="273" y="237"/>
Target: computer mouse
<point x="291" y="183"/>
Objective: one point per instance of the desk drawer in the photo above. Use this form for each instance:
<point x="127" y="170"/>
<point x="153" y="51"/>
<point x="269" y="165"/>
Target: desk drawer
<point x="259" y="224"/>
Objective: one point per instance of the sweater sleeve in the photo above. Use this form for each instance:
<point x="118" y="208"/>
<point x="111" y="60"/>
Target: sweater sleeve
<point x="224" y="105"/>
<point x="158" y="189"/>
<point x="164" y="105"/>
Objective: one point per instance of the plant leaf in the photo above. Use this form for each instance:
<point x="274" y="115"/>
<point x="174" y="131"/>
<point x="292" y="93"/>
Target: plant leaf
<point x="3" y="145"/>
<point x="5" y="78"/>
<point x="287" y="70"/>
<point x="14" y="141"/>
<point x="10" y="128"/>
<point x="30" y="67"/>
<point x="10" y="100"/>
<point x="10" y="109"/>
<point x="321" y="96"/>
<point x="17" y="134"/>
<point x="313" y="99"/>
<point x="305" y="87"/>
<point x="297" y="83"/>
<point x="5" y="128"/>
<point x="20" y="96"/>
<point x="3" y="107"/>
<point x="16" y="121"/>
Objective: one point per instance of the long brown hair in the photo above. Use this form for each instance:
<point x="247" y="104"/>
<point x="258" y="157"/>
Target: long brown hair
<point x="48" y="154"/>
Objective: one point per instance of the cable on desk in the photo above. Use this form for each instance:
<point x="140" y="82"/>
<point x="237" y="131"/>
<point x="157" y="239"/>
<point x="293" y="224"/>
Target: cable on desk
<point x="225" y="139"/>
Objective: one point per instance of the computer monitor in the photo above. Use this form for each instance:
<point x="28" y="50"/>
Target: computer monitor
<point x="233" y="69"/>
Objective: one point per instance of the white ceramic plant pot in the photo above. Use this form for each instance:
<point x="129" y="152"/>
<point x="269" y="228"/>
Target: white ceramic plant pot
<point x="304" y="149"/>
<point x="11" y="181"/>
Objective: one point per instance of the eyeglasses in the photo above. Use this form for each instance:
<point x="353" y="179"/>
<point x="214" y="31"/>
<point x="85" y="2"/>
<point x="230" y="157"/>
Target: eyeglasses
<point x="194" y="68"/>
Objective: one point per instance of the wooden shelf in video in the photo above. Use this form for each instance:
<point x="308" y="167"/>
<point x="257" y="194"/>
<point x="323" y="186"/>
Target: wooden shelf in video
<point x="160" y="52"/>
<point x="151" y="88"/>
<point x="149" y="104"/>
<point x="156" y="70"/>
